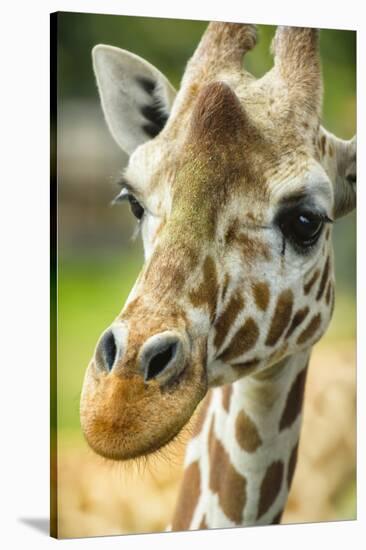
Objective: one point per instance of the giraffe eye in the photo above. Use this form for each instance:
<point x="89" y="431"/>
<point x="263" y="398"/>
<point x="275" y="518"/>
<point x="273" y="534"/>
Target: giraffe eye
<point x="125" y="195"/>
<point x="302" y="228"/>
<point x="136" y="208"/>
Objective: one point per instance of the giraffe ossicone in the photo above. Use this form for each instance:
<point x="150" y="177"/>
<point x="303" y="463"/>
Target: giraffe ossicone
<point x="235" y="185"/>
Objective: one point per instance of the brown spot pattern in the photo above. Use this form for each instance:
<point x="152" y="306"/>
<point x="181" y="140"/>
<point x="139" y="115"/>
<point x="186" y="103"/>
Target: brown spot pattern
<point x="227" y="391"/>
<point x="251" y="247"/>
<point x="242" y="341"/>
<point x="211" y="434"/>
<point x="227" y="318"/>
<point x="225" y="481"/>
<point x="203" y="523"/>
<point x="323" y="280"/>
<point x="309" y="285"/>
<point x="292" y="465"/>
<point x="329" y="293"/>
<point x="294" y="401"/>
<point x="246" y="433"/>
<point x="322" y="145"/>
<point x="261" y="295"/>
<point x="270" y="487"/>
<point x="188" y="498"/>
<point x="281" y="317"/>
<point x="218" y="380"/>
<point x="206" y="293"/>
<point x="277" y="519"/>
<point x="270" y="372"/>
<point x="279" y="354"/>
<point x="201" y="415"/>
<point x="246" y="367"/>
<point x="332" y="301"/>
<point x="164" y="272"/>
<point x="310" y="330"/>
<point x="225" y="286"/>
<point x="297" y="320"/>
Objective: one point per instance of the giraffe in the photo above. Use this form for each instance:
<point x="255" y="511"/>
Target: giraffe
<point x="235" y="185"/>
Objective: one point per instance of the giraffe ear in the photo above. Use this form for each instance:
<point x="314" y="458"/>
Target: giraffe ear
<point x="136" y="98"/>
<point x="345" y="181"/>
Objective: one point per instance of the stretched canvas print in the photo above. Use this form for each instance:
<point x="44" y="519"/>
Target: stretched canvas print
<point x="203" y="206"/>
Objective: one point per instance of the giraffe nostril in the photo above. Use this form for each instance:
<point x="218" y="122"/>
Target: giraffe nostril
<point x="162" y="357"/>
<point x="107" y="350"/>
<point x="159" y="361"/>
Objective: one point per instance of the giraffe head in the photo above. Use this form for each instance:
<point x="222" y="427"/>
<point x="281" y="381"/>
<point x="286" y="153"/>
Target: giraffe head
<point x="235" y="186"/>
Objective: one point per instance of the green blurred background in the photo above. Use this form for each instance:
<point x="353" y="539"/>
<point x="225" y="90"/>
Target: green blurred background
<point x="97" y="259"/>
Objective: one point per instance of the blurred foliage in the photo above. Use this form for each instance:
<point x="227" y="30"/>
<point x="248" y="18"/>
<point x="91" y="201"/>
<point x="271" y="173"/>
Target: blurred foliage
<point x="90" y="295"/>
<point x="338" y="55"/>
<point x="345" y="500"/>
<point x="166" y="43"/>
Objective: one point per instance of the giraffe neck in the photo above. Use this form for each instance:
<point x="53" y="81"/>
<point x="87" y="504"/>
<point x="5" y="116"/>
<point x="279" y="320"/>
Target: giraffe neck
<point x="241" y="459"/>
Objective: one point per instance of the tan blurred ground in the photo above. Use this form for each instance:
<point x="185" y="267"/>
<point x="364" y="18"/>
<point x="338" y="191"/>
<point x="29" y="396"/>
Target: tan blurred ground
<point x="97" y="497"/>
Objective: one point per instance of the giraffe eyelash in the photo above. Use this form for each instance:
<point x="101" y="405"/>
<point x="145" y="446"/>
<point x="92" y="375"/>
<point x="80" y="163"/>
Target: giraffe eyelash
<point x="121" y="197"/>
<point x="125" y="195"/>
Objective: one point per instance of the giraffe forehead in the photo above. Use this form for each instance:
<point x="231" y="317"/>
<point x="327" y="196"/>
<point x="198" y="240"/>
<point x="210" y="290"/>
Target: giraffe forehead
<point x="258" y="167"/>
<point x="206" y="156"/>
<point x="225" y="122"/>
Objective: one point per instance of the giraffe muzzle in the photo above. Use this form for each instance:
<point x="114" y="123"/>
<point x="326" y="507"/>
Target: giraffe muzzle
<point x="139" y="393"/>
<point x="161" y="357"/>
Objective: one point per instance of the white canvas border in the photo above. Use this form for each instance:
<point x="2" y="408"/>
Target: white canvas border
<point x="24" y="216"/>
